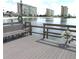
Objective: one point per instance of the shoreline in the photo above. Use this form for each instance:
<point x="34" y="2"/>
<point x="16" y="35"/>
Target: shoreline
<point x="37" y="17"/>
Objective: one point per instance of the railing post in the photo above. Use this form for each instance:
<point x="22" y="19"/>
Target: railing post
<point x="66" y="38"/>
<point x="47" y="33"/>
<point x="43" y="31"/>
<point x="11" y="21"/>
<point x="30" y="28"/>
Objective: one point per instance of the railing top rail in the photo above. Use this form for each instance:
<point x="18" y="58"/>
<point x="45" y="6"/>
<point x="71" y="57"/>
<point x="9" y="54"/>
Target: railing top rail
<point x="27" y="22"/>
<point x="49" y="24"/>
<point x="11" y="23"/>
<point x="53" y="28"/>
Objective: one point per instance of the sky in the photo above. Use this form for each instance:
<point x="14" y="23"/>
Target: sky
<point x="41" y="5"/>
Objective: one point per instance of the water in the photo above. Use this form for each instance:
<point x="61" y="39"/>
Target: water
<point x="41" y="20"/>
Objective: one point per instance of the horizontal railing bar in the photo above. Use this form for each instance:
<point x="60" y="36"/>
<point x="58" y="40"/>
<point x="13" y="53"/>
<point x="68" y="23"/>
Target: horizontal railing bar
<point x="57" y="33"/>
<point x="14" y="23"/>
<point x="50" y="33"/>
<point x="55" y="36"/>
<point x="11" y="23"/>
<point x="37" y="33"/>
<point x="54" y="33"/>
<point x="37" y="26"/>
<point x="61" y="29"/>
<point x="58" y="36"/>
<point x="73" y="26"/>
<point x="52" y="28"/>
<point x="42" y="26"/>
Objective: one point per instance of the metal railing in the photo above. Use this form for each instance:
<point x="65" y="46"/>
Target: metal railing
<point x="46" y="27"/>
<point x="61" y="27"/>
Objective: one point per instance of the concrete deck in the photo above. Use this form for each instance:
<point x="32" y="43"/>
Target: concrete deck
<point x="29" y="48"/>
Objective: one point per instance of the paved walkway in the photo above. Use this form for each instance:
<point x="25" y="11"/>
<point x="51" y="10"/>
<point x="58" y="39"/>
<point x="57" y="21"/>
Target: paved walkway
<point x="29" y="48"/>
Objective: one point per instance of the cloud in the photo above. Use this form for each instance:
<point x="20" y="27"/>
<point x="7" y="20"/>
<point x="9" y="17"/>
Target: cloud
<point x="65" y="2"/>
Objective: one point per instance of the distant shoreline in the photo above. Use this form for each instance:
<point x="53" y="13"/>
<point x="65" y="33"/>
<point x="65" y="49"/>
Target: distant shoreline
<point x="38" y="16"/>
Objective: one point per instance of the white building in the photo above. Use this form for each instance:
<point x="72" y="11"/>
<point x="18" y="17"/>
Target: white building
<point x="64" y="10"/>
<point x="49" y="12"/>
<point x="27" y="10"/>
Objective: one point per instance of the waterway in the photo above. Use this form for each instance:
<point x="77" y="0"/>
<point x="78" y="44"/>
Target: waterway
<point x="41" y="20"/>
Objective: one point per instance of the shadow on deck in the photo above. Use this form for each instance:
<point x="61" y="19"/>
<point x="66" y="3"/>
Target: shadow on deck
<point x="58" y="45"/>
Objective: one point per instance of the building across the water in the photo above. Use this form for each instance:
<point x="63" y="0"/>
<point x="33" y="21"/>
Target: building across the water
<point x="27" y="10"/>
<point x="64" y="11"/>
<point x="49" y="12"/>
<point x="9" y="14"/>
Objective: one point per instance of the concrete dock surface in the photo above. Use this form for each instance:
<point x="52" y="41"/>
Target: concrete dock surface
<point x="28" y="48"/>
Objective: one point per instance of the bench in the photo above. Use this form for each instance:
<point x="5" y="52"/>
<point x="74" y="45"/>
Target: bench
<point x="14" y="31"/>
